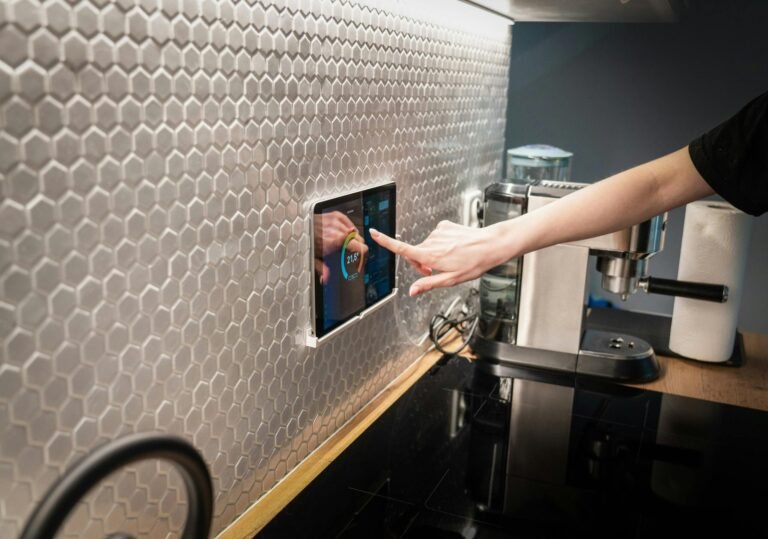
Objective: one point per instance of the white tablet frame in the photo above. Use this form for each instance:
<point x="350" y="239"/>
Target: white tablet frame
<point x="310" y="338"/>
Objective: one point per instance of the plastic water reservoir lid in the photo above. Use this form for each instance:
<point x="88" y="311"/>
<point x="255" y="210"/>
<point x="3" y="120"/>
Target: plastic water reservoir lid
<point x="552" y="155"/>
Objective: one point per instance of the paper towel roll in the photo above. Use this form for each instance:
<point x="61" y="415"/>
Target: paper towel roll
<point x="714" y="250"/>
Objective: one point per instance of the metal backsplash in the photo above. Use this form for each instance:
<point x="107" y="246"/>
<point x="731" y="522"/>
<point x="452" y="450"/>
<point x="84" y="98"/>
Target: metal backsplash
<point x="155" y="158"/>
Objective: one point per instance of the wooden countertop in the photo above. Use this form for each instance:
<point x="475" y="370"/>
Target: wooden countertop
<point x="745" y="386"/>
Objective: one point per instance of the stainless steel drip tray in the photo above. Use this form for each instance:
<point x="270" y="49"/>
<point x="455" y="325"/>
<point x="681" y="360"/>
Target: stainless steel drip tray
<point x="490" y="352"/>
<point x="618" y="356"/>
<point x="603" y="354"/>
<point x="650" y="327"/>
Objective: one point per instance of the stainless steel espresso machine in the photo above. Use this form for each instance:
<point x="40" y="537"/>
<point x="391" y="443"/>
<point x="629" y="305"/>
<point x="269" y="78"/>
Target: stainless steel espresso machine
<point x="533" y="308"/>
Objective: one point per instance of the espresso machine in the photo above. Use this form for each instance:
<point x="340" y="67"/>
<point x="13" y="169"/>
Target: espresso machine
<point x="532" y="308"/>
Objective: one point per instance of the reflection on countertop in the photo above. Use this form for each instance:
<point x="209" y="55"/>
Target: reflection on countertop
<point x="469" y="454"/>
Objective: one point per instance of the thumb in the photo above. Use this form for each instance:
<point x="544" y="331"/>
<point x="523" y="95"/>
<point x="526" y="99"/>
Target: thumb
<point x="324" y="271"/>
<point x="441" y="280"/>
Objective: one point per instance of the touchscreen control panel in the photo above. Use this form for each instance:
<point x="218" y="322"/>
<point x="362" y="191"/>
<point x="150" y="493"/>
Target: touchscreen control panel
<point x="351" y="272"/>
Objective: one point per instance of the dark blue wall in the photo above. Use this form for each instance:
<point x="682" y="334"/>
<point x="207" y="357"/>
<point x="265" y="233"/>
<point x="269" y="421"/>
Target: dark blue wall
<point x="618" y="95"/>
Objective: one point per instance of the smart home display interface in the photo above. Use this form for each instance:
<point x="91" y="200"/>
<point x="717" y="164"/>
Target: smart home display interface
<point x="352" y="272"/>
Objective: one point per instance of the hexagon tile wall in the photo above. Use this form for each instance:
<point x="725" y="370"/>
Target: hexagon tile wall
<point x="155" y="160"/>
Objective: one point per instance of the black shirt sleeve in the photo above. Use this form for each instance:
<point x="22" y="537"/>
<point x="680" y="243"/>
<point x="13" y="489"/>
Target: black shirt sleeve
<point x="733" y="157"/>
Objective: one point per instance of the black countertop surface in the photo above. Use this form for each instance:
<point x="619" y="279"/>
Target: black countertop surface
<point x="468" y="454"/>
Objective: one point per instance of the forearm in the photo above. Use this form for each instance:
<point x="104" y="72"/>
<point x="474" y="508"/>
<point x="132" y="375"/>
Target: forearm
<point x="454" y="253"/>
<point x="620" y="201"/>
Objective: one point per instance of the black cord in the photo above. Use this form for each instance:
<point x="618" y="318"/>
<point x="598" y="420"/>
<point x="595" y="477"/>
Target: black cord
<point x="464" y="322"/>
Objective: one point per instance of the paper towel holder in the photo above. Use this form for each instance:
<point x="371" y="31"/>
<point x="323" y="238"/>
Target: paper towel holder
<point x="714" y="248"/>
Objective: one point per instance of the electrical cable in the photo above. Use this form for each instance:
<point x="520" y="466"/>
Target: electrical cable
<point x="461" y="320"/>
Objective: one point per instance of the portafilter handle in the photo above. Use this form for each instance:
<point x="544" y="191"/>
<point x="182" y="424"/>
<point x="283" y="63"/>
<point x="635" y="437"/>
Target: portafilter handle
<point x="684" y="289"/>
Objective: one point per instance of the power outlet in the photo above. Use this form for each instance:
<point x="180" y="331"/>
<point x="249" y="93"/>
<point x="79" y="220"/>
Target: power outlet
<point x="470" y="207"/>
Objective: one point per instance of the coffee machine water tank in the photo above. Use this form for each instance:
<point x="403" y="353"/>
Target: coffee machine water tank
<point x="499" y="285"/>
<point x="538" y="162"/>
<point x="499" y="294"/>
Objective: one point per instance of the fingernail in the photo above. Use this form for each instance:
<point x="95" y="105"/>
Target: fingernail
<point x="413" y="291"/>
<point x="374" y="232"/>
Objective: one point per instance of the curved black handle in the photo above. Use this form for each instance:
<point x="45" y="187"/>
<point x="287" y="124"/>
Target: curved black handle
<point x="686" y="289"/>
<point x="108" y="458"/>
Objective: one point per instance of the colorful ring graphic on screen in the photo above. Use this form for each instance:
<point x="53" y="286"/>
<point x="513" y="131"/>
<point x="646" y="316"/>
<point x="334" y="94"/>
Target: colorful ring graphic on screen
<point x="351" y="259"/>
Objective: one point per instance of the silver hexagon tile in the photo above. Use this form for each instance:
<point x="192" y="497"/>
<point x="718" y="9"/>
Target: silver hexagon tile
<point x="156" y="157"/>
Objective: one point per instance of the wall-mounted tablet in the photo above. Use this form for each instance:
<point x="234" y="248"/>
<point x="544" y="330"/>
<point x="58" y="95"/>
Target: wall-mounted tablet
<point x="352" y="273"/>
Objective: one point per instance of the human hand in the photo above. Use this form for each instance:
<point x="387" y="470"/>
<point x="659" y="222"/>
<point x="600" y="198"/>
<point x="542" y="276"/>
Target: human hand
<point x="459" y="253"/>
<point x="331" y="230"/>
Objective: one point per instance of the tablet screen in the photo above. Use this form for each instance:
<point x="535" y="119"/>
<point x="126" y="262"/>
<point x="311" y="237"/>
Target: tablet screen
<point x="351" y="271"/>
